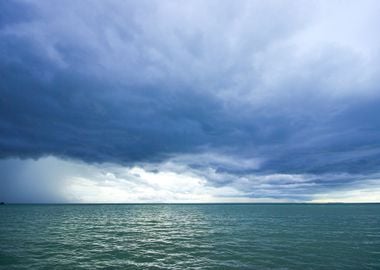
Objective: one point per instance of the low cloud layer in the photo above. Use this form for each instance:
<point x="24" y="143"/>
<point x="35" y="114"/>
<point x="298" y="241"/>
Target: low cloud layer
<point x="240" y="94"/>
<point x="65" y="181"/>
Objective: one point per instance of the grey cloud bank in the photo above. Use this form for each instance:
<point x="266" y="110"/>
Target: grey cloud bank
<point x="234" y="93"/>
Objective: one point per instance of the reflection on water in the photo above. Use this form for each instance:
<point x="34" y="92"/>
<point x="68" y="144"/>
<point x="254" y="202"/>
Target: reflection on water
<point x="190" y="236"/>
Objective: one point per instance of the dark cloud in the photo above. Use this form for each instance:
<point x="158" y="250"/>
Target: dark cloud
<point x="13" y="12"/>
<point x="129" y="83"/>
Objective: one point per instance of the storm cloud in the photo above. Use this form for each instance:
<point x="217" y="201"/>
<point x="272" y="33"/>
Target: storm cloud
<point x="235" y="93"/>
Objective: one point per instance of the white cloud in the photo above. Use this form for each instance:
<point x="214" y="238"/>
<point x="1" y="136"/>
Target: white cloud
<point x="363" y="195"/>
<point x="51" y="179"/>
<point x="55" y="180"/>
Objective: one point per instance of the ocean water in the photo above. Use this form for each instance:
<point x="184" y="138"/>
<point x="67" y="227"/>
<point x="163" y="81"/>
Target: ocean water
<point x="244" y="236"/>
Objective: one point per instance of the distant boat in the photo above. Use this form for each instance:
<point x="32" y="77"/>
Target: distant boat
<point x="2" y="203"/>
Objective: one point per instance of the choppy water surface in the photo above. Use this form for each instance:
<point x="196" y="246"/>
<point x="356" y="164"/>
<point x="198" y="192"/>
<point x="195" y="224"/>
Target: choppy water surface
<point x="190" y="236"/>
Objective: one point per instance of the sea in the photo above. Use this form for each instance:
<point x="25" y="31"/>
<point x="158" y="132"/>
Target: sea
<point x="190" y="236"/>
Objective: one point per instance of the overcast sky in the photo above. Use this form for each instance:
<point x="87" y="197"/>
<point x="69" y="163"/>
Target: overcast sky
<point x="189" y="101"/>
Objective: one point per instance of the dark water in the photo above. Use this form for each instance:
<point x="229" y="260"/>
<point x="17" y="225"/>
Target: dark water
<point x="253" y="236"/>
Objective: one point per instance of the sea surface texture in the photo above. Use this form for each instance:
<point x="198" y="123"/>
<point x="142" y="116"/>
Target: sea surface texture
<point x="247" y="236"/>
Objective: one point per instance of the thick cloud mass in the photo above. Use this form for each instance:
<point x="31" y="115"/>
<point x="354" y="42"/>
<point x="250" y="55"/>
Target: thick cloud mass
<point x="245" y="89"/>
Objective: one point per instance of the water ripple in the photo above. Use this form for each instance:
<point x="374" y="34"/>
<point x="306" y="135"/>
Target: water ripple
<point x="190" y="236"/>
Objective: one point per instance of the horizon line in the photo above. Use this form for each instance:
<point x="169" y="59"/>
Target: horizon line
<point x="188" y="203"/>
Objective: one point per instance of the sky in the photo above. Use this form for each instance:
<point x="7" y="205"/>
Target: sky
<point x="189" y="101"/>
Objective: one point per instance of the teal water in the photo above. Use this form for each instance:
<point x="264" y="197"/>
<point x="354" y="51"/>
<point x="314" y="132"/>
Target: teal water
<point x="248" y="236"/>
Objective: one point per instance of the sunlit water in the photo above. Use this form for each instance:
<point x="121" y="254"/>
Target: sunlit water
<point x="247" y="236"/>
